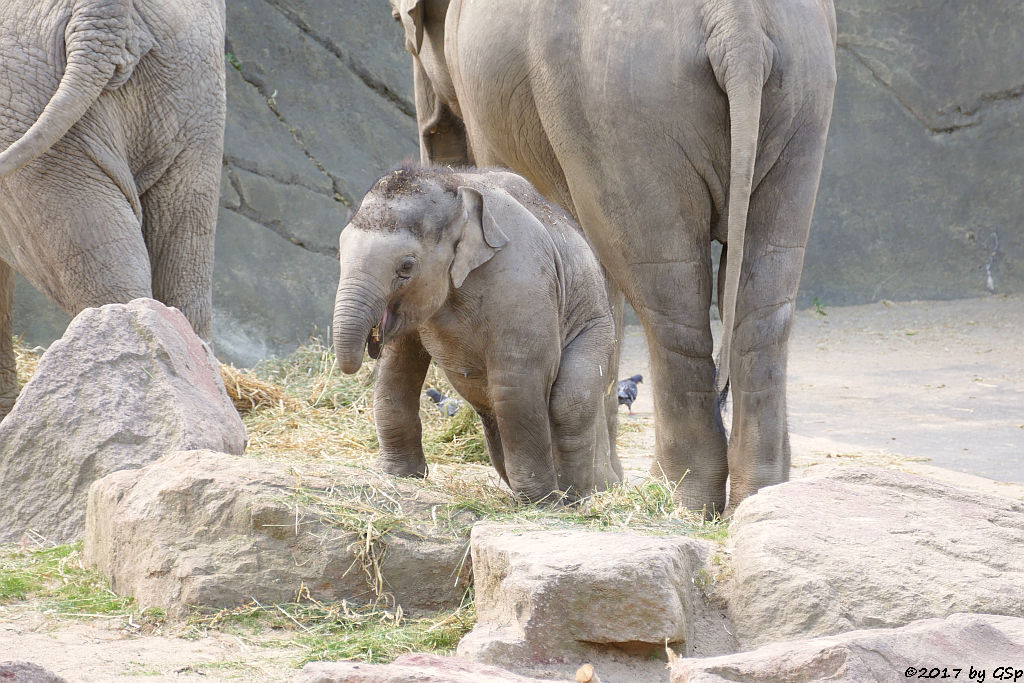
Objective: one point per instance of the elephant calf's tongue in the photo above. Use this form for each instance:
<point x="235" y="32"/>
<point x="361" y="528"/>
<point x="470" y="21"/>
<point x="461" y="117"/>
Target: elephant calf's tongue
<point x="375" y="341"/>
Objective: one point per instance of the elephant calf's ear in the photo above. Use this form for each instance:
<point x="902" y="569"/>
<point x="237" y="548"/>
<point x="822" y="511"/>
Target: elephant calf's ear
<point x="481" y="237"/>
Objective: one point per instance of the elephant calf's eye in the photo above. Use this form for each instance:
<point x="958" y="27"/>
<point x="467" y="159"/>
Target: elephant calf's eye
<point x="404" y="271"/>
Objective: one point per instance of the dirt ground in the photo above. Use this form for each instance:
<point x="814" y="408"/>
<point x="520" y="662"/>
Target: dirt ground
<point x="931" y="387"/>
<point x="935" y="388"/>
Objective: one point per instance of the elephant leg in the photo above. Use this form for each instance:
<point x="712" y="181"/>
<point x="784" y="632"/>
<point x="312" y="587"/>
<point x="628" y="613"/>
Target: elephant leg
<point x="658" y="252"/>
<point x="576" y="405"/>
<point x="78" y="233"/>
<point x="180" y="218"/>
<point x="611" y="397"/>
<point x="494" y="449"/>
<point x="777" y="230"/>
<point x="401" y="370"/>
<point x="8" y="364"/>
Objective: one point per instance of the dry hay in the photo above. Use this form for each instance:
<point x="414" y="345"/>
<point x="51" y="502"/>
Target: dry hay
<point x="27" y="360"/>
<point x="250" y="393"/>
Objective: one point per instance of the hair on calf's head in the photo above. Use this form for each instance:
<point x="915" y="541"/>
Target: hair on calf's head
<point x="377" y="210"/>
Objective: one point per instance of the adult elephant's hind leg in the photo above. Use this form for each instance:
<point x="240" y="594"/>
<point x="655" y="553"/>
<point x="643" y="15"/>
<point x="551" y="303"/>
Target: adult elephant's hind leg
<point x="180" y="218"/>
<point x="777" y="229"/>
<point x="8" y="365"/>
<point x="82" y="245"/>
<point x="658" y="252"/>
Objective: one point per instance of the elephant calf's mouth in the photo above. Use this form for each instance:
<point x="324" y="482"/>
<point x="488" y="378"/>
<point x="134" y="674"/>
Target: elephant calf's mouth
<point x="378" y="335"/>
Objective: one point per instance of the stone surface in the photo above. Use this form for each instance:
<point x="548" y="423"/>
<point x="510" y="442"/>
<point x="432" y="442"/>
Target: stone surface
<point x="921" y="192"/>
<point x="920" y="196"/>
<point x="968" y="642"/>
<point x="27" y="672"/>
<point x="210" y="529"/>
<point x="561" y="595"/>
<point x="414" y="668"/>
<point x="852" y="548"/>
<point x="126" y="384"/>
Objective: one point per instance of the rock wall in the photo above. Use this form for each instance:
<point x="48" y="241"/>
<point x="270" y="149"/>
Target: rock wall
<point x="921" y="195"/>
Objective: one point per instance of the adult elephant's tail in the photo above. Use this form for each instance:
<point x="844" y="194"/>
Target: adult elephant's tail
<point x="741" y="57"/>
<point x="99" y="52"/>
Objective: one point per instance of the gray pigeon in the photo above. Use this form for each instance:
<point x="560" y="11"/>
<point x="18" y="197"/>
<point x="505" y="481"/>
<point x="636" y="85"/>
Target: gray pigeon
<point x="447" y="406"/>
<point x="627" y="391"/>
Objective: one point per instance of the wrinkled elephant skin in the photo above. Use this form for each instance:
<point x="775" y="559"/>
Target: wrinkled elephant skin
<point x="111" y="136"/>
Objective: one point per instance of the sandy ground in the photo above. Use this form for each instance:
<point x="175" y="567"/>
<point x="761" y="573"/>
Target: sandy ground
<point x="932" y="387"/>
<point x="935" y="388"/>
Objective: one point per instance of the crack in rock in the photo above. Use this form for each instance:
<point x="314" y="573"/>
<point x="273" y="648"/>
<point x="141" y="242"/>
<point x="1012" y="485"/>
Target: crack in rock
<point x="337" y="184"/>
<point x="972" y="110"/>
<point x="275" y="227"/>
<point x="254" y="168"/>
<point x="351" y="63"/>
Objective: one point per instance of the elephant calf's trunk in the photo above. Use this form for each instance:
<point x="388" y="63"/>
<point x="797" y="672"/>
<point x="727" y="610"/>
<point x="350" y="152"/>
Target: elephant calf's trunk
<point x="353" y="320"/>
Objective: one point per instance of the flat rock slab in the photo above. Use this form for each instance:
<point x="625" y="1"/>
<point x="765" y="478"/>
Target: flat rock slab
<point x="969" y="642"/>
<point x="414" y="668"/>
<point x="126" y="384"/>
<point x="210" y="529"/>
<point x="853" y="548"/>
<point x="558" y="595"/>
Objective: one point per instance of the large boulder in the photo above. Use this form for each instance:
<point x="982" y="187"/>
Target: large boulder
<point x="126" y="384"/>
<point x="966" y="647"/>
<point x="414" y="668"/>
<point x="852" y="548"/>
<point x="556" y="595"/>
<point x="209" y="529"/>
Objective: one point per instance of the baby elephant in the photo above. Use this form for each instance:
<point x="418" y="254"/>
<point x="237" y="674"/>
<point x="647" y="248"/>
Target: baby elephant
<point x="475" y="269"/>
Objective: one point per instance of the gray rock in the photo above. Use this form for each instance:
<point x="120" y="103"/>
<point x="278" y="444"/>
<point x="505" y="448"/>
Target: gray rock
<point x="956" y="648"/>
<point x="126" y="384"/>
<point x="210" y="529"/>
<point x="279" y="295"/>
<point x="561" y="595"/>
<point x="319" y="106"/>
<point x="920" y="194"/>
<point x="27" y="672"/>
<point x="852" y="548"/>
<point x="414" y="668"/>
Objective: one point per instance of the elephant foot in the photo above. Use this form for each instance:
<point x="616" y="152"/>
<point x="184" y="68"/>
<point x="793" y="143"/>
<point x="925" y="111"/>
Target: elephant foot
<point x="416" y="469"/>
<point x="696" y="495"/>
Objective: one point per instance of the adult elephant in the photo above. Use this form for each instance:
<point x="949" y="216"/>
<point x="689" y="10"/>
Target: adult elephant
<point x="112" y="128"/>
<point x="662" y="126"/>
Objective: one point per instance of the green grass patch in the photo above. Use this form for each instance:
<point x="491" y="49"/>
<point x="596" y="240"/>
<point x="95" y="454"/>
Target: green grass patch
<point x="57" y="579"/>
<point x="342" y="631"/>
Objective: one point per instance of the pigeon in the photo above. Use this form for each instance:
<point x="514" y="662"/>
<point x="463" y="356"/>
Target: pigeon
<point x="627" y="391"/>
<point x="447" y="406"/>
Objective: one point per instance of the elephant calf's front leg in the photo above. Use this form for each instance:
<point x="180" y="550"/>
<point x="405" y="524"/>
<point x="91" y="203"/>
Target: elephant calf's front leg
<point x="396" y="407"/>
